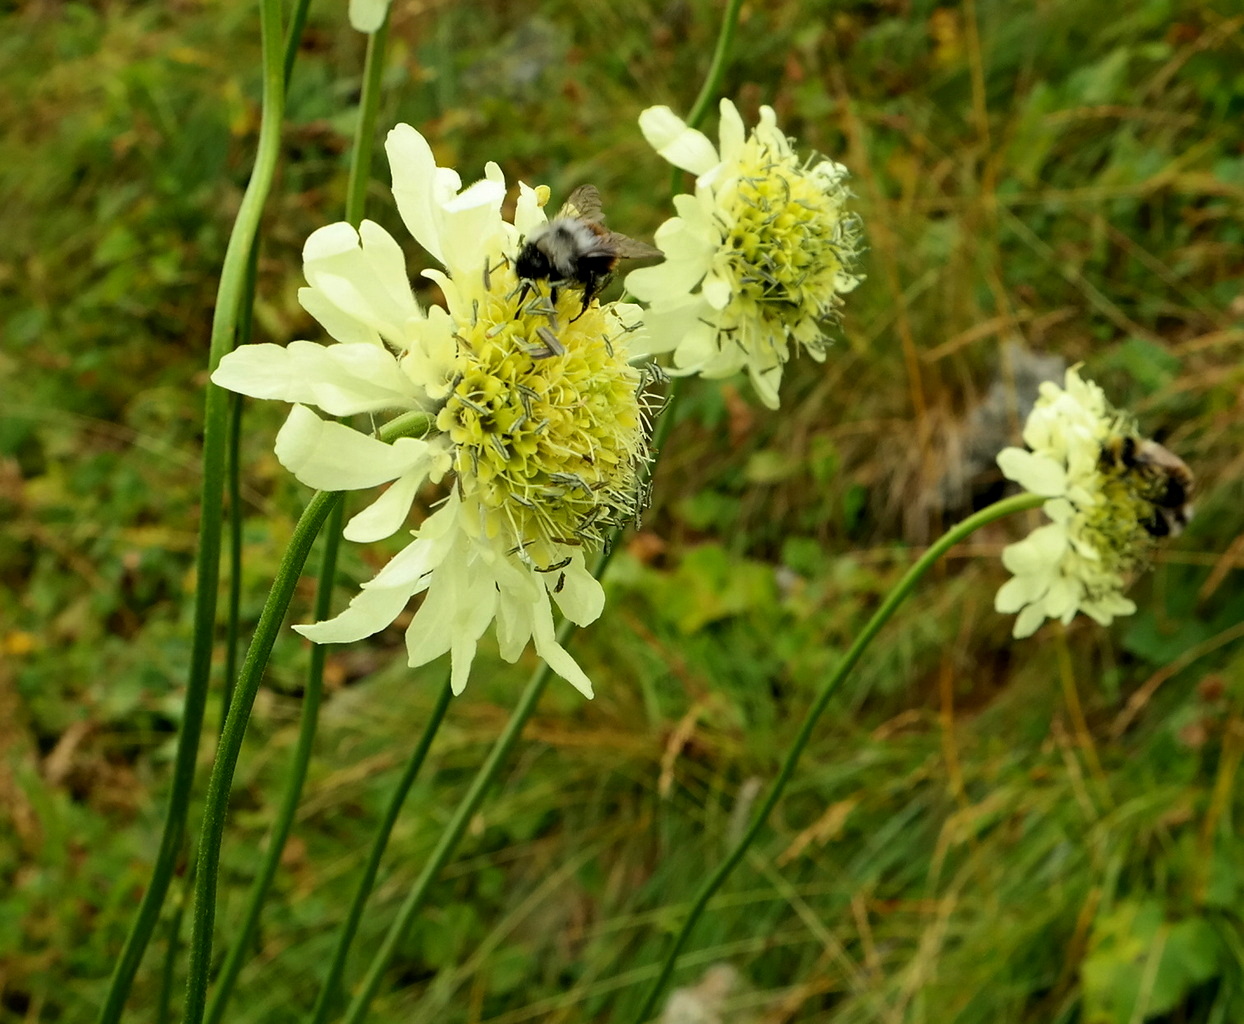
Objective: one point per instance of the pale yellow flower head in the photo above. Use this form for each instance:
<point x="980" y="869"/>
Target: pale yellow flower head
<point x="1109" y="503"/>
<point x="539" y="420"/>
<point x="757" y="260"/>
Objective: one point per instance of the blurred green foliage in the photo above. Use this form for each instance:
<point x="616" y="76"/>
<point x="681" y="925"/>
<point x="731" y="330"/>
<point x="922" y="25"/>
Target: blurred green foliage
<point x="984" y="831"/>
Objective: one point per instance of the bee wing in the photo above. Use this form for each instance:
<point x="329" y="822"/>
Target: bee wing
<point x="630" y="249"/>
<point x="584" y="204"/>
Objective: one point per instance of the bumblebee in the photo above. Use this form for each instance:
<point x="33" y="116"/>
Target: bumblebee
<point x="1163" y="479"/>
<point x="576" y="250"/>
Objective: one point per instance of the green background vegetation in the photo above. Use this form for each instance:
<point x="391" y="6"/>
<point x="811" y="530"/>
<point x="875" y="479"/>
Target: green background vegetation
<point x="983" y="831"/>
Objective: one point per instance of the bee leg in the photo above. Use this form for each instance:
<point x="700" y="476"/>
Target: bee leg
<point x="591" y="288"/>
<point x="522" y="296"/>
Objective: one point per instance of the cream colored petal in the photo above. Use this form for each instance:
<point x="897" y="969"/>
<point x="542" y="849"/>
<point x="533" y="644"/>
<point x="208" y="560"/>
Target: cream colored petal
<point x="411" y="569"/>
<point x="688" y="252"/>
<point x="474" y="614"/>
<point x="717" y="291"/>
<point x="368" y="613"/>
<point x="698" y="348"/>
<point x="767" y="381"/>
<point x="430" y="633"/>
<point x="333" y="457"/>
<point x="552" y="652"/>
<point x="730" y="130"/>
<point x="432" y="359"/>
<point x="457" y="609"/>
<point x="1063" y="598"/>
<point x="471" y="229"/>
<point x="669" y="135"/>
<point x="1034" y="473"/>
<point x="515" y="615"/>
<point x="528" y="212"/>
<point x="340" y="326"/>
<point x="385" y="516"/>
<point x="363" y="274"/>
<point x="1028" y="621"/>
<point x="581" y="598"/>
<point x="419" y="186"/>
<point x="1038" y="553"/>
<point x="671" y="324"/>
<point x="1017" y="592"/>
<point x="1060" y="510"/>
<point x="340" y="379"/>
<point x="1104" y="610"/>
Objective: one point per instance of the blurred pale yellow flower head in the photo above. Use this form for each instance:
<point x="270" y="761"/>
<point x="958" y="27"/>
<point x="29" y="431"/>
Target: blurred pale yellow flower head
<point x="1112" y="497"/>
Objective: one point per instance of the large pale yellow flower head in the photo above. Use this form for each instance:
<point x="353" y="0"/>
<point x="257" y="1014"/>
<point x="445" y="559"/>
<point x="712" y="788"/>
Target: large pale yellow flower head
<point x="538" y="420"/>
<point x="757" y="260"/>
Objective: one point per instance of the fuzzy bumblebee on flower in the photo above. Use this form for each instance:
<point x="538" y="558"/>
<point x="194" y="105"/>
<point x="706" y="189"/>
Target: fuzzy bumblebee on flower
<point x="1112" y="496"/>
<point x="536" y="423"/>
<point x="758" y="258"/>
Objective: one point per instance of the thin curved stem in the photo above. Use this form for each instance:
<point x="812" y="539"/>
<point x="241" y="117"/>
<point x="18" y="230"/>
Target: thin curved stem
<point x="207" y="565"/>
<point x="356" y="193"/>
<point x="1006" y="507"/>
<point x="716" y="69"/>
<point x="329" y="989"/>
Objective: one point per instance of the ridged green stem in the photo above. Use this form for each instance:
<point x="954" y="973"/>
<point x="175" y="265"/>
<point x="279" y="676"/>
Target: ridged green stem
<point x="207" y="565"/>
<point x="242" y="938"/>
<point x="239" y="952"/>
<point x="233" y="611"/>
<point x="365" y="129"/>
<point x="216" y="804"/>
<point x="956" y="534"/>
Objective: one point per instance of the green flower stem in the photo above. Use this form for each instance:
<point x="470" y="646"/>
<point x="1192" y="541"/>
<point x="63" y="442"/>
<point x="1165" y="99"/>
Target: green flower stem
<point x="716" y="70"/>
<point x="242" y="938"/>
<point x="365" y="130"/>
<point x="207" y="565"/>
<point x="956" y="534"/>
<point x="217" y="801"/>
<point x="234" y="609"/>
<point x="216" y="804"/>
<point x="721" y="56"/>
<point x="329" y="989"/>
<point x="356" y="193"/>
<point x="164" y="997"/>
